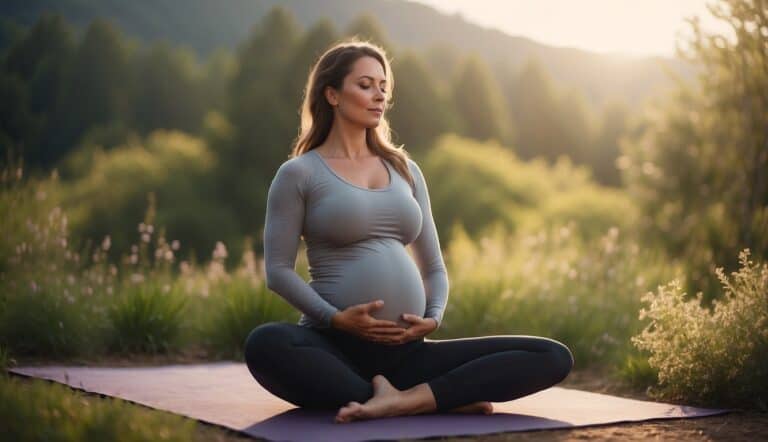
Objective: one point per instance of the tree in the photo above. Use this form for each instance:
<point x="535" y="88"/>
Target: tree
<point x="534" y="105"/>
<point x="31" y="85"/>
<point x="366" y="27"/>
<point x="700" y="169"/>
<point x="419" y="113"/>
<point x="98" y="88"/>
<point x="606" y="150"/>
<point x="168" y="93"/>
<point x="264" y="117"/>
<point x="475" y="93"/>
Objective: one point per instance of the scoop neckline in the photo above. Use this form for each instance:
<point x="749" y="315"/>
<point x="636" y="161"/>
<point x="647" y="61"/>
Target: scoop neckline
<point x="343" y="180"/>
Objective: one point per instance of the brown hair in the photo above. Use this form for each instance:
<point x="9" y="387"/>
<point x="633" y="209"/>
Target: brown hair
<point x="317" y="114"/>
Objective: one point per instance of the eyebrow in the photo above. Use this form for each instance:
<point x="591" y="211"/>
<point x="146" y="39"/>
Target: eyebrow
<point x="368" y="76"/>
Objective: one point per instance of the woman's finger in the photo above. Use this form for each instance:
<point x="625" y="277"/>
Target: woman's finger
<point x="383" y="323"/>
<point x="387" y="330"/>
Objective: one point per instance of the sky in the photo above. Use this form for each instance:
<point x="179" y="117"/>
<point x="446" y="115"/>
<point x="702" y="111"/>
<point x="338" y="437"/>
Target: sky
<point x="628" y="27"/>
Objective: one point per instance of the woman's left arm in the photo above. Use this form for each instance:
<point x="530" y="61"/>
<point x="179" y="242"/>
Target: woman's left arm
<point x="427" y="254"/>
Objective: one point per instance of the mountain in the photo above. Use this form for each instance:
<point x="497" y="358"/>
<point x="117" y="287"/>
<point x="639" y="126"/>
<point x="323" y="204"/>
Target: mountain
<point x="205" y="25"/>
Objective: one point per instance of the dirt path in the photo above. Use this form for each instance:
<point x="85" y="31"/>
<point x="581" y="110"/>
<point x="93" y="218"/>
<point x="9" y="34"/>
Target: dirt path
<point x="740" y="425"/>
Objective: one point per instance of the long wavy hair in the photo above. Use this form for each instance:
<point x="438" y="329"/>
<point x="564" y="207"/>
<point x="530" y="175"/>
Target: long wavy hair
<point x="317" y="114"/>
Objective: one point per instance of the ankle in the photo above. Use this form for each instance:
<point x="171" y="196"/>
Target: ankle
<point x="420" y="398"/>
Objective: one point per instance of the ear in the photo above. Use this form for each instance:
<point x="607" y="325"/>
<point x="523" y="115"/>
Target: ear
<point x="330" y="95"/>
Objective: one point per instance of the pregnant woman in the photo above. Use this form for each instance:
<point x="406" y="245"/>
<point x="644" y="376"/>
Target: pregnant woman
<point x="357" y="201"/>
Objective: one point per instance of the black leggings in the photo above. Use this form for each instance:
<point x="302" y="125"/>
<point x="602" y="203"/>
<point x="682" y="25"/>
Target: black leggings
<point x="328" y="368"/>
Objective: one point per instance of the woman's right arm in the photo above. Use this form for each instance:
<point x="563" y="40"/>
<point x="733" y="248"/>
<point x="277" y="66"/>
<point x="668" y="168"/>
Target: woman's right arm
<point x="282" y="230"/>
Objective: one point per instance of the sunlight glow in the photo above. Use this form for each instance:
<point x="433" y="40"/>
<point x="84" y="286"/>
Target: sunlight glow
<point x="630" y="27"/>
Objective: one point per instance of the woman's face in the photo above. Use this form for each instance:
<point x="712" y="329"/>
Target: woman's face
<point x="363" y="91"/>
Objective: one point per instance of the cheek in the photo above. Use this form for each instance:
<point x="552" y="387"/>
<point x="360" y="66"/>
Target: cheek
<point x="359" y="97"/>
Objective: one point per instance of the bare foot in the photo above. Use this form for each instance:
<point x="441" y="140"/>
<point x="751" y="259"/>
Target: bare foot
<point x="386" y="401"/>
<point x="475" y="407"/>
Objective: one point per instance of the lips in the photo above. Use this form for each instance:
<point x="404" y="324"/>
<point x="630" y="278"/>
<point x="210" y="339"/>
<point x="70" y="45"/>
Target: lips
<point x="379" y="111"/>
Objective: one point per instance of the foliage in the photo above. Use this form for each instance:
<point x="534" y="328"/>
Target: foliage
<point x="230" y="305"/>
<point x="488" y="184"/>
<point x="40" y="302"/>
<point x="699" y="169"/>
<point x="716" y="356"/>
<point x="552" y="283"/>
<point x="171" y="167"/>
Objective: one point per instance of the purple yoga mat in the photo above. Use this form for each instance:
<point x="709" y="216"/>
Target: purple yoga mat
<point x="225" y="394"/>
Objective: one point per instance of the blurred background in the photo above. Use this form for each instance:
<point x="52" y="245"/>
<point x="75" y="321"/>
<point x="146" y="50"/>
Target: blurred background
<point x="593" y="167"/>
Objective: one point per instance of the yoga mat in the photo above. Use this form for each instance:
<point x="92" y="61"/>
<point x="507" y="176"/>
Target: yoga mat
<point x="225" y="393"/>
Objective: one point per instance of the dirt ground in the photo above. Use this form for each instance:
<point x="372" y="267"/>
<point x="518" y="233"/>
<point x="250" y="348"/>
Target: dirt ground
<point x="736" y="426"/>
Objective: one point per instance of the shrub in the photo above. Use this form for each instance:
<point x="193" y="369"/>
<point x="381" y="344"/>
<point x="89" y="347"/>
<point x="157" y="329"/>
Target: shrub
<point x="711" y="356"/>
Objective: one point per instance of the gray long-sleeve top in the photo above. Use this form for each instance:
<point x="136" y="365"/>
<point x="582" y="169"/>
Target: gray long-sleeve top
<point x="356" y="239"/>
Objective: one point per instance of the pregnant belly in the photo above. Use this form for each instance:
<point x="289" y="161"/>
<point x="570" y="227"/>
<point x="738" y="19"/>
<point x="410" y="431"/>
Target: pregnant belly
<point x="377" y="269"/>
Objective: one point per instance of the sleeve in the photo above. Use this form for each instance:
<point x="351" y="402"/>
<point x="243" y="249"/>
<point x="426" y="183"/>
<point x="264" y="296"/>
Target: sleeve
<point x="427" y="252"/>
<point x="282" y="231"/>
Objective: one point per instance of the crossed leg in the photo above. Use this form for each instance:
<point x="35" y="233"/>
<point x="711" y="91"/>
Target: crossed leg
<point x="487" y="368"/>
<point x="448" y="375"/>
<point x="304" y="367"/>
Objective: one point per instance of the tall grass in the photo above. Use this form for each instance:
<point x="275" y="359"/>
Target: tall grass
<point x="41" y="299"/>
<point x="228" y="305"/>
<point x="40" y="410"/>
<point x="585" y="293"/>
<point x="59" y="301"/>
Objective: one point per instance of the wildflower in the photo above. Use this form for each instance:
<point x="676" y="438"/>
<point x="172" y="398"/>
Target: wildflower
<point x="220" y="251"/>
<point x="106" y="243"/>
<point x="175" y="244"/>
<point x="145" y="237"/>
<point x="137" y="278"/>
<point x="169" y="255"/>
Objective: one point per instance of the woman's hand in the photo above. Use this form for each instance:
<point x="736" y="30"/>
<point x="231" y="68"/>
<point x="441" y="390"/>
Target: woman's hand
<point x="357" y="320"/>
<point x="419" y="327"/>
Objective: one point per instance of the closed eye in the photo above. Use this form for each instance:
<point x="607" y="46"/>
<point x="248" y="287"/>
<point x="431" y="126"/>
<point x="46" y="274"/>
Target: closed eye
<point x="383" y="91"/>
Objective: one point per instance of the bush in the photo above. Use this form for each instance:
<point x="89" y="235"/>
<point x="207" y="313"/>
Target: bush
<point x="716" y="356"/>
